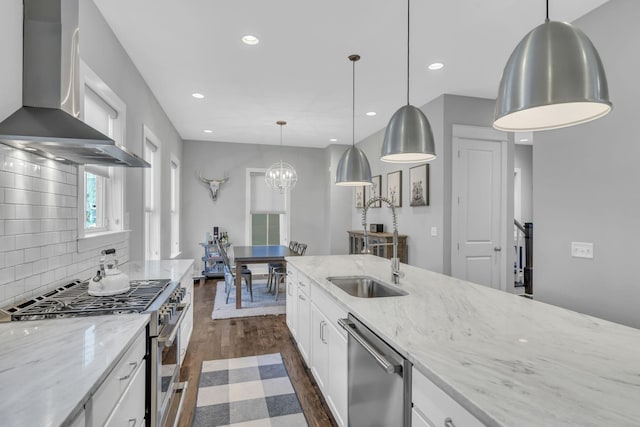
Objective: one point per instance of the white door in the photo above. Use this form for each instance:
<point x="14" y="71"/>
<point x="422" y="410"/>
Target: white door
<point x="478" y="210"/>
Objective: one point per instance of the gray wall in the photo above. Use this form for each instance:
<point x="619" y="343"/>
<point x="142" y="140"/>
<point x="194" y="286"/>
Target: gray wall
<point x="586" y="186"/>
<point x="426" y="251"/>
<point x="215" y="159"/>
<point x="339" y="204"/>
<point x="523" y="159"/>
<point x="104" y="54"/>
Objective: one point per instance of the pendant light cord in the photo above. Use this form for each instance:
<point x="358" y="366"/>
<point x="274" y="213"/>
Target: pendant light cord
<point x="547" y="17"/>
<point x="353" y="107"/>
<point x="408" y="41"/>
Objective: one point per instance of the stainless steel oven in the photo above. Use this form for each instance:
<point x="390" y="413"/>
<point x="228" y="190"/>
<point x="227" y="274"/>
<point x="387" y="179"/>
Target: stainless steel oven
<point x="162" y="299"/>
<point x="164" y="350"/>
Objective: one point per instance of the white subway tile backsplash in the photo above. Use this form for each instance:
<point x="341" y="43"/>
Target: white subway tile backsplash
<point x="38" y="227"/>
<point x="24" y="270"/>
<point x="7" y="211"/>
<point x="7" y="179"/>
<point x="7" y="275"/>
<point x="32" y="254"/>
<point x="13" y="258"/>
<point x="21" y="197"/>
<point x="7" y="243"/>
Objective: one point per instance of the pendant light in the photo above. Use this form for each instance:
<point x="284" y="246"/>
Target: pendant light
<point x="353" y="167"/>
<point x="408" y="138"/>
<point x="281" y="176"/>
<point x="554" y="78"/>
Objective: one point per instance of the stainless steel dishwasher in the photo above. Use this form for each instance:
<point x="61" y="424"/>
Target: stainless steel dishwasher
<point x="379" y="380"/>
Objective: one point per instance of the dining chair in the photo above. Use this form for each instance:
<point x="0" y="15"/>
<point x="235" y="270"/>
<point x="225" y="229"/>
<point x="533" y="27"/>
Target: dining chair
<point x="302" y="249"/>
<point x="293" y="247"/>
<point x="280" y="274"/>
<point x="230" y="274"/>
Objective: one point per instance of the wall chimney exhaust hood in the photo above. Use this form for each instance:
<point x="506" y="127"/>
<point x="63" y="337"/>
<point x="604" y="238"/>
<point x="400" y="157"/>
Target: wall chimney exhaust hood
<point x="47" y="124"/>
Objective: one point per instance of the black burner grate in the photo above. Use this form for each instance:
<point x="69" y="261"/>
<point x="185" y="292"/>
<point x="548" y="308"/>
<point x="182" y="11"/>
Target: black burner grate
<point x="73" y="300"/>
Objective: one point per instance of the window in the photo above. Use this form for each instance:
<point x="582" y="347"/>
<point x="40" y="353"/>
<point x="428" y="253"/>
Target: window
<point x="100" y="188"/>
<point x="151" y="195"/>
<point x="268" y="216"/>
<point x="175" y="207"/>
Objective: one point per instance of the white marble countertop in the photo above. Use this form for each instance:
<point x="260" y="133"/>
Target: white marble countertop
<point x="508" y="360"/>
<point x="173" y="269"/>
<point x="49" y="368"/>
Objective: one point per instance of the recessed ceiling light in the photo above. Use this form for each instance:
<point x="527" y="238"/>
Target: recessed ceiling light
<point x="371" y="113"/>
<point x="29" y="149"/>
<point x="524" y="139"/>
<point x="436" y="66"/>
<point x="334" y="140"/>
<point x="250" y="39"/>
<point x="197" y="95"/>
<point x="207" y="131"/>
<point x="60" y="159"/>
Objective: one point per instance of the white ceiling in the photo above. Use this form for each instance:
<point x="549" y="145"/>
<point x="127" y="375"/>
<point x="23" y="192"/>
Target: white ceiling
<point x="300" y="72"/>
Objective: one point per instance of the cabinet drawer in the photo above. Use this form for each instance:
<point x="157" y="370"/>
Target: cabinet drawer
<point x="437" y="406"/>
<point x="304" y="285"/>
<point x="129" y="410"/>
<point x="117" y="381"/>
<point x="328" y="306"/>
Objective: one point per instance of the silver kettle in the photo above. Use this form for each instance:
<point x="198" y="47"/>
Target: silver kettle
<point x="108" y="280"/>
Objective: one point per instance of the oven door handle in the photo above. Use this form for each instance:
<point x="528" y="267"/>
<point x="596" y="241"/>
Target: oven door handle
<point x="348" y="326"/>
<point x="182" y="387"/>
<point x="168" y="339"/>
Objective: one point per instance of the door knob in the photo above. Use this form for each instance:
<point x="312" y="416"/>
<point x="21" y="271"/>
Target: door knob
<point x="497" y="249"/>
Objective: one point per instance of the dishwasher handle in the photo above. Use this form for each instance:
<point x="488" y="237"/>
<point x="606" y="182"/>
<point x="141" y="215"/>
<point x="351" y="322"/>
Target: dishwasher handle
<point x="387" y="366"/>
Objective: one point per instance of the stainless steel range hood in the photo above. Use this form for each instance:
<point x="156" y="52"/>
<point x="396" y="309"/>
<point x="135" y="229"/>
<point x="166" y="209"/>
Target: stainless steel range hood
<point x="47" y="124"/>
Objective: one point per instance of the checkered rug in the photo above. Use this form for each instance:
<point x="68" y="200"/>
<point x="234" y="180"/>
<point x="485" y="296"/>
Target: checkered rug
<point x="252" y="391"/>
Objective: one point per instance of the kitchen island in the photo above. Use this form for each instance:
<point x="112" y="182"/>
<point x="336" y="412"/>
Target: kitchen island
<point x="508" y="360"/>
<point x="51" y="368"/>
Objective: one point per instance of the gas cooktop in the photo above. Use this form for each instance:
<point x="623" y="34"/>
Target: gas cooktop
<point x="73" y="300"/>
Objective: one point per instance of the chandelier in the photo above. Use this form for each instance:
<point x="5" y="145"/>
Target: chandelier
<point x="281" y="176"/>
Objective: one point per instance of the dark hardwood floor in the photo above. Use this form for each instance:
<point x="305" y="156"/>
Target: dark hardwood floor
<point x="248" y="336"/>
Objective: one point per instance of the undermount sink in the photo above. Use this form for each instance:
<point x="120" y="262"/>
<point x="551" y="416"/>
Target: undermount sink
<point x="365" y="287"/>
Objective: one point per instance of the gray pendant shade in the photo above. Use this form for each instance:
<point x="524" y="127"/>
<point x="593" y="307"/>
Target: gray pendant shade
<point x="353" y="168"/>
<point x="553" y="79"/>
<point x="408" y="138"/>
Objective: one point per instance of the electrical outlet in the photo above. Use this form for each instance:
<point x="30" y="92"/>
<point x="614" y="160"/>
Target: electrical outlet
<point x="582" y="250"/>
<point x="434" y="231"/>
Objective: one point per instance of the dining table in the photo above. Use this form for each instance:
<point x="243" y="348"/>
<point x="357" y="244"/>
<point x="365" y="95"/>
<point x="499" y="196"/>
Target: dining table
<point x="258" y="254"/>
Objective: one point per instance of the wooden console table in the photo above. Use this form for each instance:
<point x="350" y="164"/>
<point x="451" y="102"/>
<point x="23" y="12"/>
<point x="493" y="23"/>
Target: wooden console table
<point x="380" y="244"/>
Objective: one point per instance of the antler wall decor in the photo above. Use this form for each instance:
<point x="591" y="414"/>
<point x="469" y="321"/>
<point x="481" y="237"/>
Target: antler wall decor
<point x="214" y="184"/>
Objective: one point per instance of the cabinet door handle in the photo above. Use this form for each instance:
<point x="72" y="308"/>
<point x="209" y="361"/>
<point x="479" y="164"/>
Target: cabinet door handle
<point x="302" y="298"/>
<point x="448" y="422"/>
<point x="322" y="325"/>
<point x="301" y="284"/>
<point x="289" y="289"/>
<point x="133" y="369"/>
<point x="134" y="420"/>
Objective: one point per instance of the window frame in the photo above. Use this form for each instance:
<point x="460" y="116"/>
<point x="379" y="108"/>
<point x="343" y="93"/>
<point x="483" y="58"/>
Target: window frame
<point x="152" y="202"/>
<point x="113" y="178"/>
<point x="174" y="205"/>
<point x="285" y="218"/>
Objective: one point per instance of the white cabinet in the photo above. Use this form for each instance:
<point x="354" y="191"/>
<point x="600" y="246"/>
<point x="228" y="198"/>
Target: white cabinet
<point x="433" y="407"/>
<point x="319" y="349"/>
<point x="110" y="392"/>
<point x="292" y="300"/>
<point x="304" y="318"/>
<point x="129" y="410"/>
<point x="313" y="321"/>
<point x="187" y="324"/>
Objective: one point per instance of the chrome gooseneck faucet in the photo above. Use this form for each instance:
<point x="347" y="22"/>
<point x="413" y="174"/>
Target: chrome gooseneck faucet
<point x="396" y="274"/>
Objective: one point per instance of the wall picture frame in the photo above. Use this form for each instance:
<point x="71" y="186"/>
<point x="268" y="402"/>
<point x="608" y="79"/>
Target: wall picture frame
<point x="419" y="185"/>
<point x="375" y="190"/>
<point x="359" y="197"/>
<point x="394" y="188"/>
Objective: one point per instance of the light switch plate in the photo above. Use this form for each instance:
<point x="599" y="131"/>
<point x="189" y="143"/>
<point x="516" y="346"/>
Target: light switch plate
<point x="434" y="231"/>
<point x="582" y="250"/>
